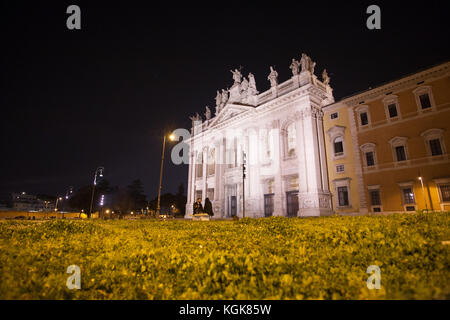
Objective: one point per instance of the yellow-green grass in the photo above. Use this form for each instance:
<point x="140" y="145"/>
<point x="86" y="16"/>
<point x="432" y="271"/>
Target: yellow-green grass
<point x="272" y="258"/>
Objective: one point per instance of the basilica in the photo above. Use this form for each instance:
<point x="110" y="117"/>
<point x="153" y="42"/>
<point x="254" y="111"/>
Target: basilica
<point x="293" y="151"/>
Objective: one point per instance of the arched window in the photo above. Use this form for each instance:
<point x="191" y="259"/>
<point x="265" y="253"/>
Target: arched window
<point x="434" y="142"/>
<point x="399" y="148"/>
<point x="291" y="139"/>
<point x="369" y="155"/>
<point x="337" y="141"/>
<point x="338" y="145"/>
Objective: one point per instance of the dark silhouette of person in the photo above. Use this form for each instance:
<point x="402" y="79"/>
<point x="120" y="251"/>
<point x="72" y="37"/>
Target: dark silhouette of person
<point x="208" y="207"/>
<point x="198" y="208"/>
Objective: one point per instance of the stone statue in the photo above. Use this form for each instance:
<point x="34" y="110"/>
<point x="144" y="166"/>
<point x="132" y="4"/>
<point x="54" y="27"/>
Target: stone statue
<point x="244" y="84"/>
<point x="218" y="98"/>
<point x="237" y="76"/>
<point x="208" y="113"/>
<point x="304" y="62"/>
<point x="252" y="82"/>
<point x="295" y="67"/>
<point x="273" y="77"/>
<point x="325" y="77"/>
<point x="307" y="64"/>
<point x="312" y="65"/>
<point x="195" y="118"/>
<point x="224" y="96"/>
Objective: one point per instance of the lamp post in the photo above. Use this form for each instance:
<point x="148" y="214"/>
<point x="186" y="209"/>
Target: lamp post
<point x="56" y="204"/>
<point x="158" y="208"/>
<point x="423" y="191"/>
<point x="68" y="193"/>
<point x="99" y="172"/>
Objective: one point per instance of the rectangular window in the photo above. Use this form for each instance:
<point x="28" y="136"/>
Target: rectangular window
<point x="425" y="101"/>
<point x="408" y="196"/>
<point x="375" y="197"/>
<point x="334" y="115"/>
<point x="435" y="147"/>
<point x="364" y="118"/>
<point x="338" y="148"/>
<point x="392" y="110"/>
<point x="340" y="168"/>
<point x="343" y="196"/>
<point x="400" y="151"/>
<point x="377" y="209"/>
<point x="370" y="159"/>
<point x="445" y="192"/>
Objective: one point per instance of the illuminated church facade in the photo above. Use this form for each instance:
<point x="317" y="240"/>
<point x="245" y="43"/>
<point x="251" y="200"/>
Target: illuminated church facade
<point x="293" y="151"/>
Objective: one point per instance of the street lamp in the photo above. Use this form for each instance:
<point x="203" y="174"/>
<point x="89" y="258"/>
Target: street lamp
<point x="423" y="191"/>
<point x="98" y="172"/>
<point x="171" y="138"/>
<point x="56" y="204"/>
<point x="68" y="193"/>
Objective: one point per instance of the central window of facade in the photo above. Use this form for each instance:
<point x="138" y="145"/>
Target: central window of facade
<point x="338" y="146"/>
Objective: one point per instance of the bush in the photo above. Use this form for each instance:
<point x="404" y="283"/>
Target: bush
<point x="272" y="258"/>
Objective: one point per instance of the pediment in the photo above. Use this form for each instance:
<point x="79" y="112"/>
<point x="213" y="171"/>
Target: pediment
<point x="229" y="111"/>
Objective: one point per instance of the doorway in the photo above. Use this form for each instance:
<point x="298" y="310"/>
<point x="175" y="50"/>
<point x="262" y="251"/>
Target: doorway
<point x="292" y="203"/>
<point x="268" y="205"/>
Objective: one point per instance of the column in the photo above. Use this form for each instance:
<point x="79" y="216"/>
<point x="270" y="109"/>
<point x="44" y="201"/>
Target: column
<point x="205" y="174"/>
<point x="276" y="165"/>
<point x="314" y="199"/>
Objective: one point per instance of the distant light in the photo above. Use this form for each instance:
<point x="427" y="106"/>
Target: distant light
<point x="420" y="178"/>
<point x="60" y="198"/>
<point x="172" y="137"/>
<point x="23" y="193"/>
<point x="107" y="211"/>
<point x="67" y="197"/>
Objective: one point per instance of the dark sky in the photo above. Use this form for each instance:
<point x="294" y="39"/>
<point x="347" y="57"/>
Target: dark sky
<point x="75" y="100"/>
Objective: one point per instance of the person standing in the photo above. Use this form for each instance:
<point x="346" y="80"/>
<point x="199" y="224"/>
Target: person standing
<point x="198" y="208"/>
<point x="208" y="207"/>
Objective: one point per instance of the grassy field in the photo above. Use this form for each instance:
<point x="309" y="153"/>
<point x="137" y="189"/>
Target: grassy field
<point x="273" y="258"/>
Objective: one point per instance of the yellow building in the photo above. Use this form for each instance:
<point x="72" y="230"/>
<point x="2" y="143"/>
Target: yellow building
<point x="383" y="143"/>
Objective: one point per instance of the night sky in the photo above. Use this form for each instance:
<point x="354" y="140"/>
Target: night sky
<point x="104" y="95"/>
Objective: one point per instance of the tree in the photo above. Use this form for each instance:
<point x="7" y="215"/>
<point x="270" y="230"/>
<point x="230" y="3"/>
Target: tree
<point x="81" y="199"/>
<point x="136" y="194"/>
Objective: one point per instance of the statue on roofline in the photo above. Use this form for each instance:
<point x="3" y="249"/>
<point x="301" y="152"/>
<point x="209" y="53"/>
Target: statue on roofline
<point x="252" y="82"/>
<point x="325" y="77"/>
<point x="218" y="98"/>
<point x="208" y="113"/>
<point x="294" y="67"/>
<point x="273" y="77"/>
<point x="224" y="96"/>
<point x="237" y="76"/>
